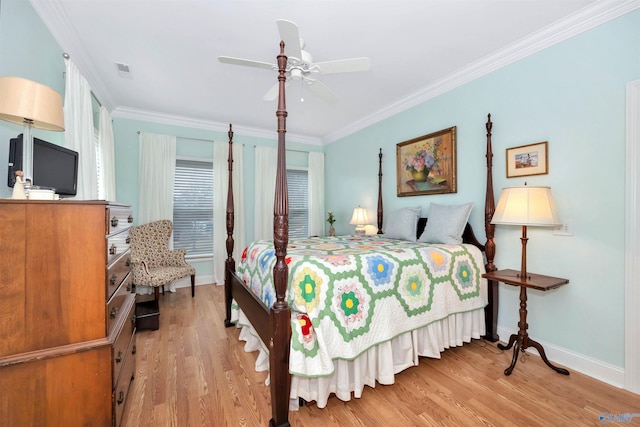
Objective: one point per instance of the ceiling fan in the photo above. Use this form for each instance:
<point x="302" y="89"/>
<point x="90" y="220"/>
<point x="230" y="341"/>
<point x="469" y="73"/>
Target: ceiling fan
<point x="300" y="65"/>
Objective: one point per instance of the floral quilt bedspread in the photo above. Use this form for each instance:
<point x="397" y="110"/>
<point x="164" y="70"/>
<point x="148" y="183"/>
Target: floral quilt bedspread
<point x="348" y="293"/>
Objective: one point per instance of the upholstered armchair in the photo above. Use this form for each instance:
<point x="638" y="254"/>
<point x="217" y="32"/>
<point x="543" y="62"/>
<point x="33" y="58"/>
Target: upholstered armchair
<point x="152" y="263"/>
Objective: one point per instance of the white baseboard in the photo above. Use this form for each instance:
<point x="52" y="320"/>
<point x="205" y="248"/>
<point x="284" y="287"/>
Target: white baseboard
<point x="200" y="280"/>
<point x="573" y="361"/>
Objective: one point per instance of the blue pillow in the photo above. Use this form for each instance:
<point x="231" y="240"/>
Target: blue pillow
<point x="402" y="224"/>
<point x="446" y="224"/>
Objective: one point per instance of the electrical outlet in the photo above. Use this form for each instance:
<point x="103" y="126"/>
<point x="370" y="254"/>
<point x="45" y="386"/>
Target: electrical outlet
<point x="564" y="229"/>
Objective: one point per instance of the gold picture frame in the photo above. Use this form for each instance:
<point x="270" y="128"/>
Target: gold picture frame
<point x="427" y="164"/>
<point x="526" y="160"/>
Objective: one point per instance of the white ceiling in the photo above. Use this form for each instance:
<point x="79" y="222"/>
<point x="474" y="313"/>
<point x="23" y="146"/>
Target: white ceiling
<point x="418" y="49"/>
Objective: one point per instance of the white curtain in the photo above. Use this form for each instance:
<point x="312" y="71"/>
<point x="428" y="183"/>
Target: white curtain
<point x="79" y="131"/>
<point x="156" y="174"/>
<point x="107" y="155"/>
<point x="220" y="190"/>
<point x="316" y="194"/>
<point x="266" y="165"/>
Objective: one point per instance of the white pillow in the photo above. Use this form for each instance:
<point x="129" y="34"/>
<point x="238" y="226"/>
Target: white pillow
<point x="402" y="224"/>
<point x="446" y="223"/>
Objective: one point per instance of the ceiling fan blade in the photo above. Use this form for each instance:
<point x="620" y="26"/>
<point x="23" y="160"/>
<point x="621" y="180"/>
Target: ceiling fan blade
<point x="273" y="92"/>
<point x="291" y="36"/>
<point x="246" y="62"/>
<point x="344" y="65"/>
<point x="322" y="90"/>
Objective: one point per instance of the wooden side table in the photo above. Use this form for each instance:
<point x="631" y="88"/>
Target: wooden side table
<point x="521" y="339"/>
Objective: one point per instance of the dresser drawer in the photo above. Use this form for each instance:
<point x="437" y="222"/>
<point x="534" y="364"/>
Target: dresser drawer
<point x="121" y="389"/>
<point x="117" y="244"/>
<point x="116" y="272"/>
<point x="121" y="343"/>
<point x="116" y="303"/>
<point x="118" y="219"/>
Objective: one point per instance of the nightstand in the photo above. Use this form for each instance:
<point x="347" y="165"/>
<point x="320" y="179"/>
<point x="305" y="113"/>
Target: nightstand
<point x="521" y="340"/>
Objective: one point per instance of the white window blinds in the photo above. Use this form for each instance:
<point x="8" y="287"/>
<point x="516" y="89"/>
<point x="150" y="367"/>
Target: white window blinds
<point x="297" y="182"/>
<point x="193" y="207"/>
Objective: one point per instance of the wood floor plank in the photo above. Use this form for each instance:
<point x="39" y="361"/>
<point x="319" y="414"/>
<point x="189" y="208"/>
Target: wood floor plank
<point x="194" y="372"/>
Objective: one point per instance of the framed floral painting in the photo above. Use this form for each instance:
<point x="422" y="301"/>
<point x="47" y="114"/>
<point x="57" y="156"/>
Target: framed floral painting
<point x="427" y="164"/>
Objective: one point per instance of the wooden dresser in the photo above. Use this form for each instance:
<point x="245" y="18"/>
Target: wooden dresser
<point x="67" y="322"/>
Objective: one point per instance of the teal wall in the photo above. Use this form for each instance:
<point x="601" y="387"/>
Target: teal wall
<point x="189" y="144"/>
<point x="27" y="50"/>
<point x="571" y="95"/>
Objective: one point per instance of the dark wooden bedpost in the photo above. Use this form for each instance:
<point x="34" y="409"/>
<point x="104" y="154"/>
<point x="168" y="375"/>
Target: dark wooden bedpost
<point x="380" y="214"/>
<point x="280" y="318"/>
<point x="229" y="264"/>
<point x="491" y="311"/>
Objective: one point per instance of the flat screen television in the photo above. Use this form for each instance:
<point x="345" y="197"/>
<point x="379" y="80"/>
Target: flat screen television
<point x="54" y="167"/>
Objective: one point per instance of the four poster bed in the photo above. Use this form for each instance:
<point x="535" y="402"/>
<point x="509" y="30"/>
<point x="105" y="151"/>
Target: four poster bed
<point x="336" y="314"/>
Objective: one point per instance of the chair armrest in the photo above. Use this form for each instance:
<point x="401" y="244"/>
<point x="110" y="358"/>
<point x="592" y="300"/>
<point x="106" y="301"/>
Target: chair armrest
<point x="176" y="258"/>
<point x="139" y="270"/>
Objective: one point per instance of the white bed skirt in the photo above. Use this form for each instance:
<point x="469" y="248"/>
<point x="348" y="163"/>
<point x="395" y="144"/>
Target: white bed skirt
<point x="379" y="363"/>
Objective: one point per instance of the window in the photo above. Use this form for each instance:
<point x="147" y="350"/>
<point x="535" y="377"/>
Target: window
<point x="193" y="207"/>
<point x="297" y="183"/>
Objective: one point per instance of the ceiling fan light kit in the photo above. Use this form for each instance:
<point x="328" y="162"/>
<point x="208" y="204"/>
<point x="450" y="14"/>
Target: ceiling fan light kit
<point x="300" y="65"/>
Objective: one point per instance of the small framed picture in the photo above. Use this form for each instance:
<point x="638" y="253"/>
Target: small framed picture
<point x="528" y="160"/>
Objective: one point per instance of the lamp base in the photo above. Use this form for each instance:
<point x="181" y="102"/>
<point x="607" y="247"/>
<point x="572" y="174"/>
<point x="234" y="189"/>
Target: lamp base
<point x="360" y="231"/>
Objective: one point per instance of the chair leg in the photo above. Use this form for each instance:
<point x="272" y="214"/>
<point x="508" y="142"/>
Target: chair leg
<point x="193" y="285"/>
<point x="162" y="289"/>
<point x="156" y="292"/>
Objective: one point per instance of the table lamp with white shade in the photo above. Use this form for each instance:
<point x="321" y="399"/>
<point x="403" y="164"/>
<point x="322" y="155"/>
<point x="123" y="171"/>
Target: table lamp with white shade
<point x="359" y="219"/>
<point x="526" y="206"/>
<point x="30" y="104"/>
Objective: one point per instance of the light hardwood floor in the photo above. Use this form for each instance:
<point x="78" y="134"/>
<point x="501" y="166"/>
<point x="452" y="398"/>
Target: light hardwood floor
<point x="194" y="372"/>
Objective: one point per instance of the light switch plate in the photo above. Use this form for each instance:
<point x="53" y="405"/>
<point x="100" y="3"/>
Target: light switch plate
<point x="564" y="229"/>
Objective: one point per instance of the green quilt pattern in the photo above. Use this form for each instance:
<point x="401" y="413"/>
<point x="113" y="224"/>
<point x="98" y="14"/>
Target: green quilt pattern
<point x="348" y="293"/>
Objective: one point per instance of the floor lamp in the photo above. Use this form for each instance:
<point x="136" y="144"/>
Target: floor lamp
<point x="526" y="206"/>
<point x="30" y="104"/>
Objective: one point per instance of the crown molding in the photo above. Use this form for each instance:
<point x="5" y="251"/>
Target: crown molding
<point x="189" y="122"/>
<point x="58" y="24"/>
<point x="591" y="16"/>
<point x="583" y="20"/>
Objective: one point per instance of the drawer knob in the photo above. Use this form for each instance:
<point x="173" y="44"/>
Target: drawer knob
<point x="128" y="263"/>
<point x="130" y="219"/>
<point x="113" y="249"/>
<point x="114" y="312"/>
<point x="114" y="221"/>
<point x="112" y="280"/>
<point x="120" y="398"/>
<point x="128" y="240"/>
<point x="119" y="356"/>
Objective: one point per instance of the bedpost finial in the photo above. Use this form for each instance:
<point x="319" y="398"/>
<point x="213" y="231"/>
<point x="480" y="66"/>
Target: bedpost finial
<point x="281" y="47"/>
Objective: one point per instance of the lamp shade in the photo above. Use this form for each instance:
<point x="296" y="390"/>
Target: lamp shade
<point x="531" y="206"/>
<point x="25" y="100"/>
<point x="359" y="217"/>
